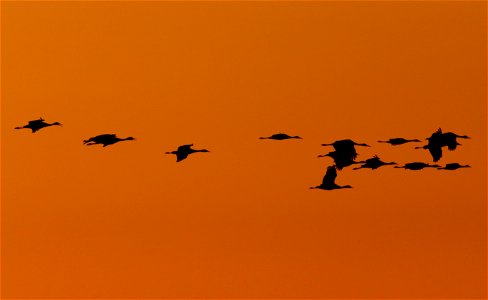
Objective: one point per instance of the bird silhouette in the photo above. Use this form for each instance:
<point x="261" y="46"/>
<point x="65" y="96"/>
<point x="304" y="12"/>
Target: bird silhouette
<point x="415" y="166"/>
<point x="449" y="139"/>
<point x="341" y="160"/>
<point x="36" y="125"/>
<point x="105" y="140"/>
<point x="398" y="141"/>
<point x="328" y="182"/>
<point x="183" y="151"/>
<point x="374" y="163"/>
<point x="280" y="136"/>
<point x="346" y="148"/>
<point x="453" y="166"/>
<point x="434" y="145"/>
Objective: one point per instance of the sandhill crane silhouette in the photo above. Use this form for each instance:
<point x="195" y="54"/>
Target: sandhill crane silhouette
<point x="328" y="182"/>
<point x="341" y="160"/>
<point x="346" y="148"/>
<point x="415" y="166"/>
<point x="449" y="139"/>
<point x="105" y="140"/>
<point x="280" y="136"/>
<point x="434" y="145"/>
<point x="36" y="125"/>
<point x="398" y="141"/>
<point x="453" y="166"/>
<point x="183" y="151"/>
<point x="374" y="163"/>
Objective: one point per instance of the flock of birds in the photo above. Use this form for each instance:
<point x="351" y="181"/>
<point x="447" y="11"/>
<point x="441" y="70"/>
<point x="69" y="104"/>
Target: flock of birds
<point x="344" y="155"/>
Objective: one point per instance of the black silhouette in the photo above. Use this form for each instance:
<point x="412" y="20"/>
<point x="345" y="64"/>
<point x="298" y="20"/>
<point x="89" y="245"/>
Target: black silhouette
<point x="438" y="140"/>
<point x="36" y="125"/>
<point x="398" y="141"/>
<point x="374" y="163"/>
<point x="280" y="136"/>
<point x="346" y="148"/>
<point x="449" y="140"/>
<point x="183" y="152"/>
<point x="105" y="140"/>
<point x="341" y="160"/>
<point x="417" y="166"/>
<point x="434" y="145"/>
<point x="328" y="182"/>
<point x="453" y="166"/>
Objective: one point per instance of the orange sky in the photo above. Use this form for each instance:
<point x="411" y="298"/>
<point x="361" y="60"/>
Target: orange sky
<point x="241" y="221"/>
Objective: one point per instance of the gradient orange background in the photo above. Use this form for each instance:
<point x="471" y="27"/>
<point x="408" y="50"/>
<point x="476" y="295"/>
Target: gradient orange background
<point x="240" y="221"/>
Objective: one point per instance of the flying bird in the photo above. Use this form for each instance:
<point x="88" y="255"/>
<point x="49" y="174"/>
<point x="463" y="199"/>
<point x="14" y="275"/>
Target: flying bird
<point x="374" y="163"/>
<point x="415" y="166"/>
<point x="453" y="166"/>
<point x="328" y="182"/>
<point x="36" y="125"/>
<point x="346" y="147"/>
<point x="398" y="141"/>
<point x="280" y="136"/>
<point x="105" y="140"/>
<point x="183" y="151"/>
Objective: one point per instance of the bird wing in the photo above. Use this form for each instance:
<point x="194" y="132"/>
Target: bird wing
<point x="449" y="140"/>
<point x="373" y="159"/>
<point x="181" y="156"/>
<point x="436" y="152"/>
<point x="436" y="136"/>
<point x="105" y="136"/>
<point x="185" y="147"/>
<point x="330" y="176"/>
<point x="36" y="122"/>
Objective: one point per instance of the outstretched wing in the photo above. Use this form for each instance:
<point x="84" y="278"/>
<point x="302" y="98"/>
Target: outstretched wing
<point x="330" y="176"/>
<point x="181" y="156"/>
<point x="436" y="152"/>
<point x="436" y="137"/>
<point x="449" y="140"/>
<point x="184" y="147"/>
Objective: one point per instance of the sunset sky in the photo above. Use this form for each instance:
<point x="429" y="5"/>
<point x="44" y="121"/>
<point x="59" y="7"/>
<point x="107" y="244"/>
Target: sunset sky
<point x="240" y="221"/>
